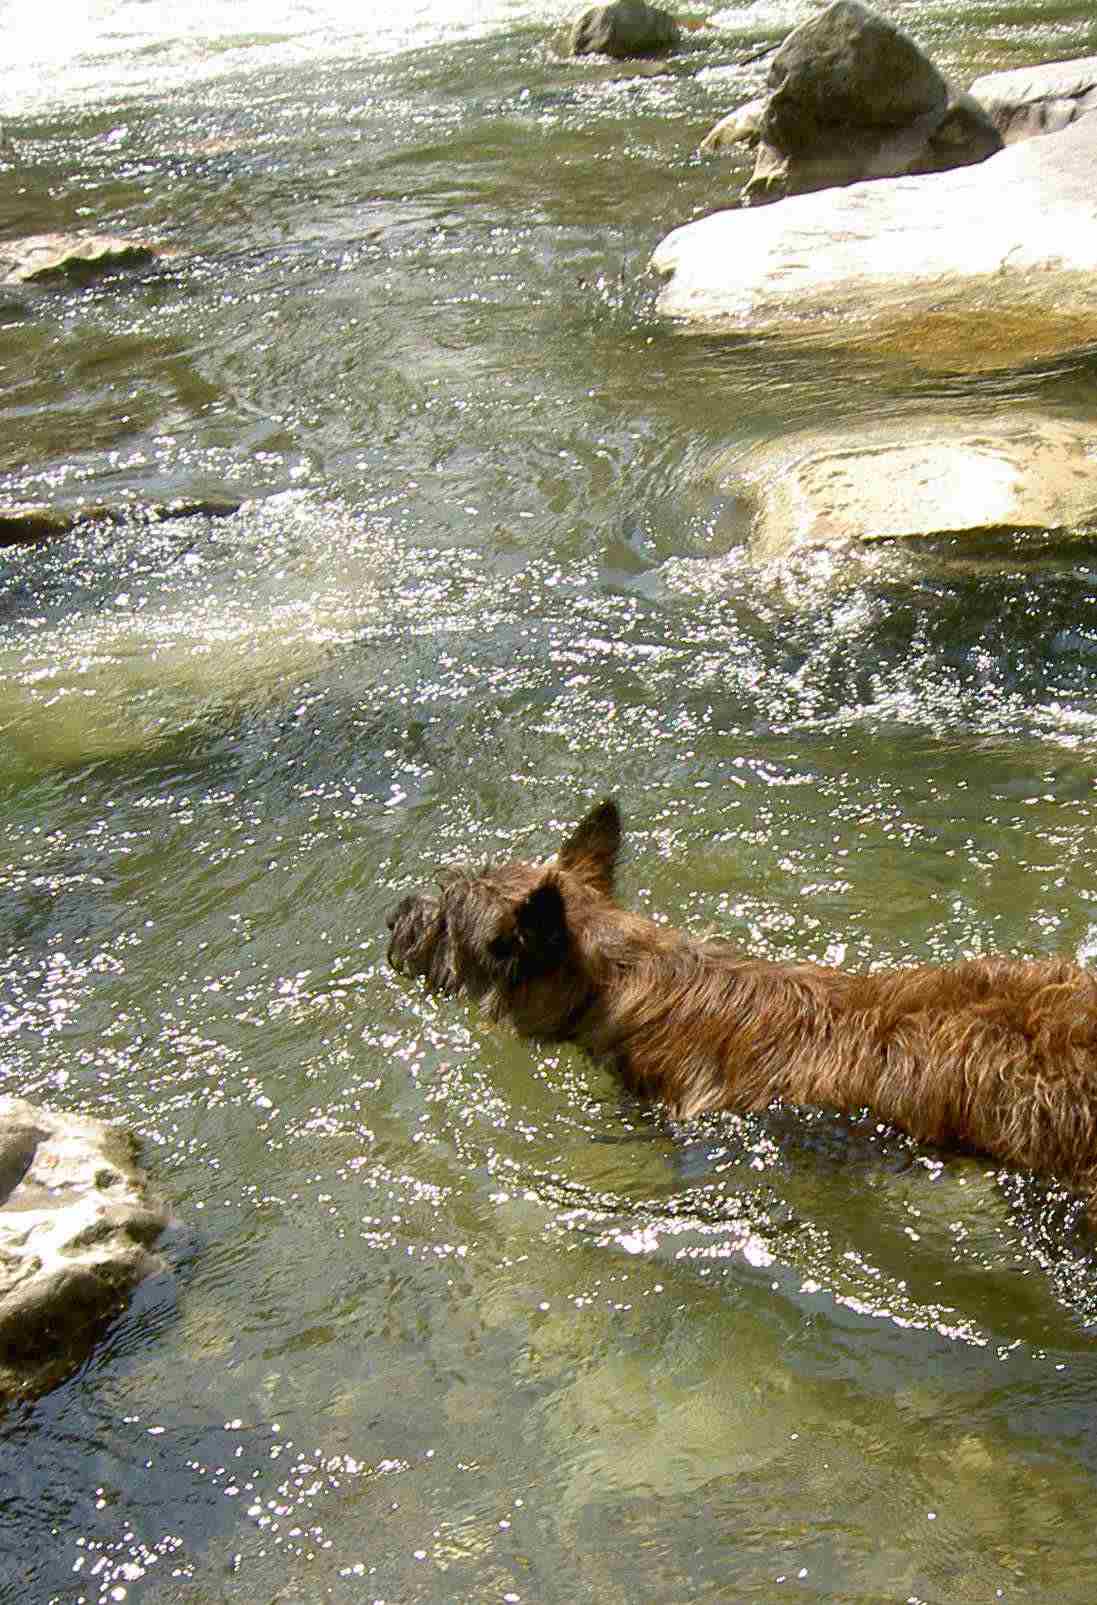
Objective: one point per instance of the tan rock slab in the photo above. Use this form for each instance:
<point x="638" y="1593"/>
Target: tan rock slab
<point x="919" y="479"/>
<point x="41" y="257"/>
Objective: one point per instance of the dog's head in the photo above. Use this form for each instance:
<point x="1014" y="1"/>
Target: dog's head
<point x="507" y="933"/>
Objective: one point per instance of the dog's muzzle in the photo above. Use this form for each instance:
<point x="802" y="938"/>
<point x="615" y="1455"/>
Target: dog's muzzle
<point x="411" y="923"/>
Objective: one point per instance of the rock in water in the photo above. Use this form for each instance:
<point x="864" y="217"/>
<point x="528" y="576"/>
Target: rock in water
<point x="852" y="97"/>
<point x="43" y="257"/>
<point x="625" y="28"/>
<point x="76" y="1234"/>
<point x="988" y="266"/>
<point x="969" y="475"/>
<point x="848" y="68"/>
<point x="27" y="523"/>
<point x="740" y="127"/>
<point x="1038" y="100"/>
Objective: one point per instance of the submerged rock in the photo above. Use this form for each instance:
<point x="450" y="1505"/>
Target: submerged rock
<point x="42" y="257"/>
<point x="25" y="524"/>
<point x="1038" y="100"/>
<point x="622" y="29"/>
<point x="983" y="267"/>
<point x="917" y="479"/>
<point x="76" y="1233"/>
<point x="852" y="97"/>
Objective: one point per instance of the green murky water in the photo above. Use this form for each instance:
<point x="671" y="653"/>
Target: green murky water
<point x="452" y="1320"/>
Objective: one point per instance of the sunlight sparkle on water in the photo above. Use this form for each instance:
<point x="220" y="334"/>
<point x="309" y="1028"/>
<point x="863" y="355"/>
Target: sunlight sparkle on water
<point x="141" y="46"/>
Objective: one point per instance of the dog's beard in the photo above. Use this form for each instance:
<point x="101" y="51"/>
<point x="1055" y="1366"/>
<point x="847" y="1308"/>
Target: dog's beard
<point x="424" y="943"/>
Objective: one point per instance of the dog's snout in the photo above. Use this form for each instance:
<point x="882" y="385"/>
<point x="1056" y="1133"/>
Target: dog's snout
<point x="395" y="915"/>
<point x="410" y="925"/>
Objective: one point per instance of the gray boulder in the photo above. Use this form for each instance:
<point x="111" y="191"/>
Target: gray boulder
<point x="847" y="68"/>
<point x="916" y="479"/>
<point x="983" y="267"/>
<point x="76" y="1233"/>
<point x="624" y="28"/>
<point x="1038" y="100"/>
<point x="852" y="97"/>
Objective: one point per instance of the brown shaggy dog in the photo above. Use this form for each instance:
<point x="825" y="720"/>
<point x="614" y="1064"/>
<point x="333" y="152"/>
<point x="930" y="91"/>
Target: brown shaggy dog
<point x="995" y="1055"/>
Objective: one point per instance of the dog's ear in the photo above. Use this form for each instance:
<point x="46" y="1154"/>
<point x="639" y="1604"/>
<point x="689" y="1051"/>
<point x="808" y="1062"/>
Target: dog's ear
<point x="591" y="850"/>
<point x="538" y="938"/>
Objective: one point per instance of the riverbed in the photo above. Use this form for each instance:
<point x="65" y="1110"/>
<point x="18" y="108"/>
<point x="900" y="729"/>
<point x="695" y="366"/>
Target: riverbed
<point x="450" y="1318"/>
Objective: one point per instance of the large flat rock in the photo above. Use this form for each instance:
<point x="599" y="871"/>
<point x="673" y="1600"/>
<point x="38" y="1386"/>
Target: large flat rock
<point x="914" y="479"/>
<point x="982" y="267"/>
<point x="77" y="1227"/>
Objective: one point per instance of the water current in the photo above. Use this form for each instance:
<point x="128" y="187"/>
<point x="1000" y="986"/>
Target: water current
<point x="450" y="1318"/>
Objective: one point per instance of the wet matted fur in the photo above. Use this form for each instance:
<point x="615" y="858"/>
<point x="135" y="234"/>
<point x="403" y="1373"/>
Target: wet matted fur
<point x="993" y="1055"/>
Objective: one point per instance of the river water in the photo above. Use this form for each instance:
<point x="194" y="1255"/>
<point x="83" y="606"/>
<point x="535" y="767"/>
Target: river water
<point x="450" y="1319"/>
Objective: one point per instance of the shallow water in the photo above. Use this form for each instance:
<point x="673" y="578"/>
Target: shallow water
<point x="451" y="1319"/>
